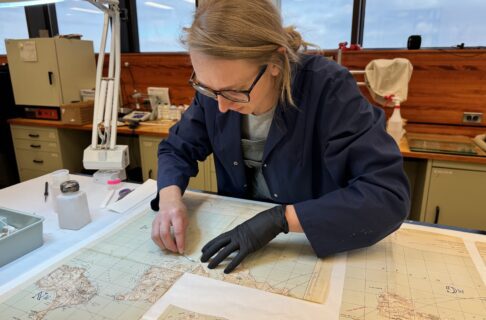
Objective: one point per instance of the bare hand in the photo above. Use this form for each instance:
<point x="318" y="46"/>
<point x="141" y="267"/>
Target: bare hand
<point x="172" y="212"/>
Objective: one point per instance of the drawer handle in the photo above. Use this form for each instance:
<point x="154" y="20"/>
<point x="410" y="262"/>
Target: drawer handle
<point x="38" y="161"/>
<point x="50" y="74"/>
<point x="437" y="213"/>
<point x="36" y="146"/>
<point x="33" y="135"/>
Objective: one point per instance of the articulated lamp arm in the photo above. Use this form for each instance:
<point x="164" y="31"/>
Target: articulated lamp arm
<point x="103" y="153"/>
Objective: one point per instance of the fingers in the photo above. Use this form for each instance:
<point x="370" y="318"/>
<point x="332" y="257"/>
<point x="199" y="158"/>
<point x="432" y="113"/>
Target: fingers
<point x="180" y="225"/>
<point x="172" y="213"/>
<point x="217" y="243"/>
<point x="212" y="242"/>
<point x="166" y="237"/>
<point x="156" y="234"/>
<point x="223" y="254"/>
<point x="235" y="262"/>
<point x="161" y="234"/>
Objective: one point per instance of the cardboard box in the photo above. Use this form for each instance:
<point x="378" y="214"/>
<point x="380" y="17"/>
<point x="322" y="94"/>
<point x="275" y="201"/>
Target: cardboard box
<point x="77" y="113"/>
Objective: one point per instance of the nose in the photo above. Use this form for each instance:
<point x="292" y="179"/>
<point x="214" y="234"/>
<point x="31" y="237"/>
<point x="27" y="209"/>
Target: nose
<point x="223" y="104"/>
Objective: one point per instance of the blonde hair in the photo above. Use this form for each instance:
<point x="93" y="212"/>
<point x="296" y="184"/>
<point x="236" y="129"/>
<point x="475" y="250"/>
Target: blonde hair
<point x="246" y="29"/>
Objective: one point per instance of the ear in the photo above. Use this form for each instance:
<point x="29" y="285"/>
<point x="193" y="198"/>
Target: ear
<point x="274" y="69"/>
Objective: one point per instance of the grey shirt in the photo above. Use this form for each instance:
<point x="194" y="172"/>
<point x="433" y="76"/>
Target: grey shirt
<point x="254" y="133"/>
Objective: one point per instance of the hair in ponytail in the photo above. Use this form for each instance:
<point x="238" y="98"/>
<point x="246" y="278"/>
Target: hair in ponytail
<point x="246" y="29"/>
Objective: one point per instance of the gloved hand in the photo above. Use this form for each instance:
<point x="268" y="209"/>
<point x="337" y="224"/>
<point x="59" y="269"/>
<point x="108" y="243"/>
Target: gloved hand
<point x="247" y="237"/>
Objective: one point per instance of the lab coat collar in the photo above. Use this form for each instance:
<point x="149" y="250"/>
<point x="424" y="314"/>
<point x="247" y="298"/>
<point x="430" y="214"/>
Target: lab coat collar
<point x="228" y="137"/>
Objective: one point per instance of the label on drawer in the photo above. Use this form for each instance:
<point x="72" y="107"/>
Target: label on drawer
<point x="442" y="171"/>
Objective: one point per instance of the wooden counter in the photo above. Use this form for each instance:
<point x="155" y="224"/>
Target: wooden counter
<point x="150" y="128"/>
<point x="407" y="153"/>
<point x="161" y="129"/>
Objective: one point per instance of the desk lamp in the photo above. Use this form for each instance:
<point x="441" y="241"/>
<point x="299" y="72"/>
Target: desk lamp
<point x="103" y="153"/>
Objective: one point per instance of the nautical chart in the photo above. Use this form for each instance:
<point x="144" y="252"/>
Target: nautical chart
<point x="175" y="313"/>
<point x="413" y="274"/>
<point x="122" y="274"/>
<point x="481" y="246"/>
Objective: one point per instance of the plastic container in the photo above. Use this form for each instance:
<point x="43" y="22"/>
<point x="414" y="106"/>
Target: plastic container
<point x="160" y="111"/>
<point x="103" y="176"/>
<point x="26" y="238"/>
<point x="173" y="113"/>
<point x="113" y="185"/>
<point x="395" y="125"/>
<point x="57" y="177"/>
<point x="166" y="112"/>
<point x="72" y="206"/>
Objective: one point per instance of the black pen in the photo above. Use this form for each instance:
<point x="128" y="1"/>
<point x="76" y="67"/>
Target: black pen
<point x="46" y="191"/>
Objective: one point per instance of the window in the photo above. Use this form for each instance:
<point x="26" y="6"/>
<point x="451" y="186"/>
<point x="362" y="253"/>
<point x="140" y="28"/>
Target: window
<point x="324" y="23"/>
<point x="388" y="24"/>
<point x="13" y="25"/>
<point x="160" y="23"/>
<point x="81" y="17"/>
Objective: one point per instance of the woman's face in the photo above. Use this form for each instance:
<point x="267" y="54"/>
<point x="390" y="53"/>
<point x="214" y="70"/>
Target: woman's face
<point x="220" y="74"/>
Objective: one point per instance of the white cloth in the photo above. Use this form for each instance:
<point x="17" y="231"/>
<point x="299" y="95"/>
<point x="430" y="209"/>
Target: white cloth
<point x="385" y="77"/>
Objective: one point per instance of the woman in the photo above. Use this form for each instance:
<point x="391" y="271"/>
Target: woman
<point x="284" y="127"/>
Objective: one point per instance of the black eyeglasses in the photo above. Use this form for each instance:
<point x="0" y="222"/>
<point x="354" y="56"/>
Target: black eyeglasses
<point x="241" y="96"/>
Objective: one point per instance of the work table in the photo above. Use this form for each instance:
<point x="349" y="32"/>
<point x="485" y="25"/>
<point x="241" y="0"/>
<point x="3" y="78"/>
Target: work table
<point x="111" y="269"/>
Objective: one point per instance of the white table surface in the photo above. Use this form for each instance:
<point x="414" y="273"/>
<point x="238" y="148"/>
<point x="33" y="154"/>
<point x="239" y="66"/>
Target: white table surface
<point x="28" y="197"/>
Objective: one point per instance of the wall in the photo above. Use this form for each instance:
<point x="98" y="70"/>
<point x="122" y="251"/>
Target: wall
<point x="142" y="70"/>
<point x="444" y="84"/>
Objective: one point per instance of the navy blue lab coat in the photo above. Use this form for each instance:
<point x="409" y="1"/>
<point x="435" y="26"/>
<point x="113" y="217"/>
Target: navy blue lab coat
<point x="330" y="157"/>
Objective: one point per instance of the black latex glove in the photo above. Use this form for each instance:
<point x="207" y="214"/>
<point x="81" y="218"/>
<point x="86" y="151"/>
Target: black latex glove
<point x="247" y="237"/>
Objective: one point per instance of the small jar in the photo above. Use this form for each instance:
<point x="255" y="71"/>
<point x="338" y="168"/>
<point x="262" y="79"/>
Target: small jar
<point x="113" y="185"/>
<point x="57" y="177"/>
<point x="72" y="206"/>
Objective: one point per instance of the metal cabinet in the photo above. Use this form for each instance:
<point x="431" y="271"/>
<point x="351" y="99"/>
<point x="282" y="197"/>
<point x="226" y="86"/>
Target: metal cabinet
<point x="40" y="150"/>
<point x="50" y="71"/>
<point x="205" y="180"/>
<point x="454" y="194"/>
<point x="148" y="154"/>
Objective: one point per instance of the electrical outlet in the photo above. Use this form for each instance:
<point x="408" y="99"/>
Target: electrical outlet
<point x="472" y="117"/>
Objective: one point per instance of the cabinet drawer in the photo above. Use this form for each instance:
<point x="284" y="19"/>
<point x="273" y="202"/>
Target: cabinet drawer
<point x="27" y="174"/>
<point x="46" y="146"/>
<point x="456" y="198"/>
<point x="148" y="153"/>
<point x="45" y="161"/>
<point x="34" y="133"/>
